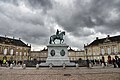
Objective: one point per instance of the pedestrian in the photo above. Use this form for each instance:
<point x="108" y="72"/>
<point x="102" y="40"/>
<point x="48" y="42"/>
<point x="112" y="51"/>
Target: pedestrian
<point x="114" y="63"/>
<point x="119" y="62"/>
<point x="87" y="63"/>
<point x="0" y="62"/>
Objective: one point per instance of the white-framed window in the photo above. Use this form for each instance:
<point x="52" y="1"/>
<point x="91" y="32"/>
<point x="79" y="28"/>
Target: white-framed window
<point x="16" y="53"/>
<point x="20" y="48"/>
<point x="102" y="51"/>
<point x="17" y="48"/>
<point x="94" y="53"/>
<point x="109" y="51"/>
<point x="5" y="51"/>
<point x="98" y="58"/>
<point x="25" y="49"/>
<point x="11" y="52"/>
<point x="115" y="49"/>
<point x="24" y="53"/>
<point x="20" y="53"/>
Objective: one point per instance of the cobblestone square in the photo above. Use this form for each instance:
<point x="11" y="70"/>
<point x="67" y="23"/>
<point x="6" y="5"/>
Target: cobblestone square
<point x="58" y="73"/>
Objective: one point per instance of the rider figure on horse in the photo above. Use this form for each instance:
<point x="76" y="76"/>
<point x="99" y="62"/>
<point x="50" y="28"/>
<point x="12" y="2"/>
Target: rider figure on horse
<point x="57" y="33"/>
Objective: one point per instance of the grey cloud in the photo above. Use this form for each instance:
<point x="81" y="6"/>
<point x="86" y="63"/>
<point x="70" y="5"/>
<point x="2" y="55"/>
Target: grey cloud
<point x="45" y="5"/>
<point x="101" y="10"/>
<point x="28" y="26"/>
<point x="78" y="18"/>
<point x="40" y="3"/>
<point x="15" y="2"/>
<point x="91" y="14"/>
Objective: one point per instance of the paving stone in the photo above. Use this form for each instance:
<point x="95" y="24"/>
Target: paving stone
<point x="70" y="73"/>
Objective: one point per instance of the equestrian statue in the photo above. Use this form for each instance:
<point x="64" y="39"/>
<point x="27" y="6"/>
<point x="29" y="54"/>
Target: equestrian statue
<point x="59" y="35"/>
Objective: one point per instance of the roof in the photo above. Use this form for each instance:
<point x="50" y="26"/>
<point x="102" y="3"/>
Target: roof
<point x="35" y="51"/>
<point x="44" y="50"/>
<point x="71" y="49"/>
<point x="9" y="41"/>
<point x="100" y="41"/>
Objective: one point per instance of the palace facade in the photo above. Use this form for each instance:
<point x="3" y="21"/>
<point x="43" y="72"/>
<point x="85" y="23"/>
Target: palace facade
<point x="72" y="54"/>
<point x="39" y="55"/>
<point x="13" y="49"/>
<point x="108" y="47"/>
<point x="75" y="55"/>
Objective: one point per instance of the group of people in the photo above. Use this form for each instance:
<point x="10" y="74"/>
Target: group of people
<point x="115" y="61"/>
<point x="6" y="63"/>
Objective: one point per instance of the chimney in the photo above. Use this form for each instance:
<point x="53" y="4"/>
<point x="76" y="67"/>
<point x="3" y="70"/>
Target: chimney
<point x="19" y="38"/>
<point x="108" y="36"/>
<point x="97" y="38"/>
<point x="13" y="37"/>
<point x="5" y="36"/>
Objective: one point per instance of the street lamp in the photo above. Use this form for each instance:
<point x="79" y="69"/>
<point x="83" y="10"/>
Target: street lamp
<point x="87" y="60"/>
<point x="85" y="47"/>
<point x="86" y="53"/>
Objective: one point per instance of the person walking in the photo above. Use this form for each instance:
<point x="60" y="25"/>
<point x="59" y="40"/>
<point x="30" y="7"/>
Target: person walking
<point x="114" y="63"/>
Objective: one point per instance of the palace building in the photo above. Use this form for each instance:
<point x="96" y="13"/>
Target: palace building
<point x="39" y="55"/>
<point x="72" y="54"/>
<point x="75" y="55"/>
<point x="13" y="49"/>
<point x="108" y="48"/>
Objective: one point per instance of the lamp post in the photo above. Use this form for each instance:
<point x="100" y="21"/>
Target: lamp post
<point x="86" y="53"/>
<point x="87" y="60"/>
<point x="85" y="47"/>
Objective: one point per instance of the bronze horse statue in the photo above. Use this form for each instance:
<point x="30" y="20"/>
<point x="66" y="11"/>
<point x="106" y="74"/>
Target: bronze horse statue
<point x="59" y="37"/>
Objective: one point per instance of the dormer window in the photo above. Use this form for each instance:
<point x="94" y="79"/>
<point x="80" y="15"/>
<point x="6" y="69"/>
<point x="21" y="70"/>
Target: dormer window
<point x="107" y="40"/>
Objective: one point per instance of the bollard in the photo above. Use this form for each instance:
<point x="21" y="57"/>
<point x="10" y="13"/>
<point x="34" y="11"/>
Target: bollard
<point x="19" y="65"/>
<point x="50" y="65"/>
<point x="77" y="66"/>
<point x="90" y="65"/>
<point x="103" y="65"/>
<point x="37" y="66"/>
<point x="64" y="65"/>
<point x="24" y="66"/>
<point x="7" y="65"/>
<point x="11" y="66"/>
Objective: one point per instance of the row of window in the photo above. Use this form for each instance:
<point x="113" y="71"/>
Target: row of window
<point x="12" y="52"/>
<point x="8" y="49"/>
<point x="77" y="54"/>
<point x="103" y="51"/>
<point x="109" y="50"/>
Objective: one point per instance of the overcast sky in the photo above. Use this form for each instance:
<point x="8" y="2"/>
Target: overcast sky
<point x="34" y="21"/>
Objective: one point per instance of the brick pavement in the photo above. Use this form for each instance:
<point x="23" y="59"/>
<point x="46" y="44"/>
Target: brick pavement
<point x="70" y="73"/>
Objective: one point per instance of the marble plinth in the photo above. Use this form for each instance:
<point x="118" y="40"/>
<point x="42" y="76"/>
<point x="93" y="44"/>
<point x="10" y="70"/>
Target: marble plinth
<point x="57" y="55"/>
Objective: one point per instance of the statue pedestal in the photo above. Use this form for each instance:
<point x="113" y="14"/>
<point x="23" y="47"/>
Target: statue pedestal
<point x="57" y="55"/>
